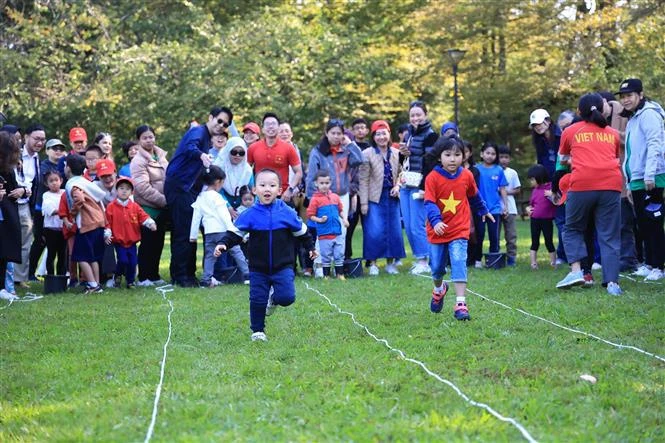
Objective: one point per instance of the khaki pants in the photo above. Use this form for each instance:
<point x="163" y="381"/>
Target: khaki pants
<point x="21" y="270"/>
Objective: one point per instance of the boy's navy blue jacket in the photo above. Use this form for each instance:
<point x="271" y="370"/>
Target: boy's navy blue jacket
<point x="272" y="230"/>
<point x="186" y="166"/>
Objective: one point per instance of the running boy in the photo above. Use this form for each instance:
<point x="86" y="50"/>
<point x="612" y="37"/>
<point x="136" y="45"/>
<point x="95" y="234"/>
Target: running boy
<point x="272" y="226"/>
<point x="125" y="218"/>
<point x="325" y="209"/>
<point x="449" y="189"/>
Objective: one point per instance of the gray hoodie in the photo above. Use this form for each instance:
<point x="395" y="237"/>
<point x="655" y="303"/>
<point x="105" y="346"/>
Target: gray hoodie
<point x="645" y="143"/>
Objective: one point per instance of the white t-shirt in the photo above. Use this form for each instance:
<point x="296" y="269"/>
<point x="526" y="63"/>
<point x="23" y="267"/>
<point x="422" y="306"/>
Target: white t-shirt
<point x="513" y="182"/>
<point x="50" y="203"/>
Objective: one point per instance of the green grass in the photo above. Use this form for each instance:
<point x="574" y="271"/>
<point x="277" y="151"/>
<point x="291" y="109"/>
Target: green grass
<point x="76" y="367"/>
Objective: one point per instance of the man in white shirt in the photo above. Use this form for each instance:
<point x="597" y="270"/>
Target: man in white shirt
<point x="27" y="176"/>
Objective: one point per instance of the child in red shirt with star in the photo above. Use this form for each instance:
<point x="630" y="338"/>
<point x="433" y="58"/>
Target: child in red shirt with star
<point x="450" y="193"/>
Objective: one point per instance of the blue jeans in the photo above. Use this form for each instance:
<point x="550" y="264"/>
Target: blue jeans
<point x="560" y="222"/>
<point x="413" y="215"/>
<point x="127" y="259"/>
<point x="283" y="283"/>
<point x="492" y="230"/>
<point x="456" y="250"/>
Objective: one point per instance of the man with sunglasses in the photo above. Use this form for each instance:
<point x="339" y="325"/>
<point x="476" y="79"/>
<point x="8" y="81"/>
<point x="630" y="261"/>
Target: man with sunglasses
<point x="182" y="186"/>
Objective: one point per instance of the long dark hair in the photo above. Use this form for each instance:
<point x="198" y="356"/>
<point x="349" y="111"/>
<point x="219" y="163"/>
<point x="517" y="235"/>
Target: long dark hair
<point x="9" y="152"/>
<point x="591" y="109"/>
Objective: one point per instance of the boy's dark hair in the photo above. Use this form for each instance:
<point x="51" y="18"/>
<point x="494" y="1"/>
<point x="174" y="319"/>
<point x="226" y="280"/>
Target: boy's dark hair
<point x="270" y="115"/>
<point x="34" y="127"/>
<point x="538" y="173"/>
<point x="213" y="174"/>
<point x="403" y="127"/>
<point x="443" y="144"/>
<point x="244" y="190"/>
<point x="76" y="163"/>
<point x="96" y="149"/>
<point x="128" y="144"/>
<point x="268" y="171"/>
<point x="503" y="149"/>
<point x="321" y="173"/>
<point x="556" y="178"/>
<point x="219" y="109"/>
<point x="359" y="121"/>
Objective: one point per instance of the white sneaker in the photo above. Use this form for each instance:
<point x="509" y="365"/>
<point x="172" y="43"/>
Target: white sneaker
<point x="596" y="267"/>
<point x="6" y="295"/>
<point x="421" y="268"/>
<point x="155" y="282"/>
<point x="214" y="282"/>
<point x="391" y="269"/>
<point x="478" y="265"/>
<point x="144" y="283"/>
<point x="110" y="283"/>
<point x="642" y="271"/>
<point x="398" y="263"/>
<point x="560" y="262"/>
<point x="318" y="273"/>
<point x="259" y="336"/>
<point x="655" y="274"/>
<point x="373" y="270"/>
<point x="271" y="306"/>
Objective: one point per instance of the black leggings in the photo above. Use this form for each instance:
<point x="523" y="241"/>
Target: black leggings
<point x="546" y="226"/>
<point x="57" y="246"/>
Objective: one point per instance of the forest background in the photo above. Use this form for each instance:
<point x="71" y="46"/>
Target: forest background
<point x="114" y="65"/>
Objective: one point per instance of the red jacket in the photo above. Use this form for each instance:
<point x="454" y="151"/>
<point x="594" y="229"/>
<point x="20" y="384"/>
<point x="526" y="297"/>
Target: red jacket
<point x="125" y="222"/>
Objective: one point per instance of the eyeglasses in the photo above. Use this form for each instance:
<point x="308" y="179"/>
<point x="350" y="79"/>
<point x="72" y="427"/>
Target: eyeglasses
<point x="38" y="139"/>
<point x="237" y="153"/>
<point x="221" y="121"/>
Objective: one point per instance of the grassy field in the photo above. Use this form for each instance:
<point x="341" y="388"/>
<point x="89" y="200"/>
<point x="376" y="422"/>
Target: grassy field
<point x="76" y="367"/>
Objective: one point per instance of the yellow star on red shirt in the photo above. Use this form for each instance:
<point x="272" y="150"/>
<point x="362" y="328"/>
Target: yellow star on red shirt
<point x="450" y="204"/>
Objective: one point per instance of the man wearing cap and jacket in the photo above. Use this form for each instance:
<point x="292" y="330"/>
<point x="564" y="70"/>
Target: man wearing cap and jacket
<point x="644" y="167"/>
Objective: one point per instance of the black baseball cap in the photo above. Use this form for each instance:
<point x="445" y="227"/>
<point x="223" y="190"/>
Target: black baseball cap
<point x="630" y="85"/>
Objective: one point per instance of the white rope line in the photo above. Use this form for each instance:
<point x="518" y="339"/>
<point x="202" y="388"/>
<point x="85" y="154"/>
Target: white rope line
<point x="29" y="296"/>
<point x="459" y="392"/>
<point x="566" y="328"/>
<point x="162" y="290"/>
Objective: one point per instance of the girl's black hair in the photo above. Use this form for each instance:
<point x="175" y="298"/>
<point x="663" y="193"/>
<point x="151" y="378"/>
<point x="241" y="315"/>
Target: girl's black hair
<point x="443" y="144"/>
<point x="418" y="104"/>
<point x="538" y="173"/>
<point x="128" y="144"/>
<point x="143" y="128"/>
<point x="469" y="145"/>
<point x="211" y="175"/>
<point x="100" y="136"/>
<point x="591" y="109"/>
<point x="490" y="144"/>
<point x="49" y="173"/>
<point x="244" y="190"/>
<point x="556" y="178"/>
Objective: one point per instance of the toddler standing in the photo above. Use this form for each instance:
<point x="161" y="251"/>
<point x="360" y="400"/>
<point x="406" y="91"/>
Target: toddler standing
<point x="541" y="210"/>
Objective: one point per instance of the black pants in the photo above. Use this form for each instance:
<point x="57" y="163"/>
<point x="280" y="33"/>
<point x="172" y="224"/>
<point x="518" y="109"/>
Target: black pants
<point x="546" y="226"/>
<point x="57" y="247"/>
<point x="38" y="243"/>
<point x="150" y="250"/>
<point x="651" y="228"/>
<point x="183" y="253"/>
<point x="354" y="218"/>
<point x="3" y="272"/>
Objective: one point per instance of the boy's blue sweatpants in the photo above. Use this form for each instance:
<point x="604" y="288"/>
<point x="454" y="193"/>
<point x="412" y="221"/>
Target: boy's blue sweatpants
<point x="283" y="283"/>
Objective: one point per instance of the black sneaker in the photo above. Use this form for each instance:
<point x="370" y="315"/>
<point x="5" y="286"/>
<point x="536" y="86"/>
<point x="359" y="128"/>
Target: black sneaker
<point x="130" y="285"/>
<point x="94" y="290"/>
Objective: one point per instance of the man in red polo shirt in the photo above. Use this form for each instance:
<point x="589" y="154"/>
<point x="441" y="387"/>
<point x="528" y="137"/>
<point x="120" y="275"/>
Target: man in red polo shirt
<point x="276" y="154"/>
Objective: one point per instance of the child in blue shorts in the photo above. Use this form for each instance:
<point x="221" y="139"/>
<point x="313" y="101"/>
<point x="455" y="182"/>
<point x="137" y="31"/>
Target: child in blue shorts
<point x="273" y="227"/>
<point x="450" y="190"/>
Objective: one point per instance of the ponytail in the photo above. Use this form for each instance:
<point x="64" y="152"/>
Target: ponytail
<point x="591" y="109"/>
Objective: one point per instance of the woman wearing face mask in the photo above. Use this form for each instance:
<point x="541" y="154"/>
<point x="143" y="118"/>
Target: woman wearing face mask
<point x="418" y="142"/>
<point x="148" y="170"/>
<point x="335" y="153"/>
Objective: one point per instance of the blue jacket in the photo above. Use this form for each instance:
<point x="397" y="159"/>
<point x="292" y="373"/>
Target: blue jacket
<point x="337" y="164"/>
<point x="185" y="167"/>
<point x="546" y="152"/>
<point x="272" y="231"/>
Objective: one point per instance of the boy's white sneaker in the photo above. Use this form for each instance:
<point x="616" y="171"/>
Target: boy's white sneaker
<point x="214" y="282"/>
<point x="642" y="271"/>
<point x="318" y="272"/>
<point x="6" y="295"/>
<point x="596" y="266"/>
<point x="391" y="269"/>
<point x="145" y="282"/>
<point x="110" y="283"/>
<point x="259" y="336"/>
<point x="655" y="274"/>
<point x="420" y="268"/>
<point x="373" y="270"/>
<point x="478" y="265"/>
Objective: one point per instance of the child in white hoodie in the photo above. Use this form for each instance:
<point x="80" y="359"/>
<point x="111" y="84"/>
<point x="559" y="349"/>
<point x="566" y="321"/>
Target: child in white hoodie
<point x="211" y="211"/>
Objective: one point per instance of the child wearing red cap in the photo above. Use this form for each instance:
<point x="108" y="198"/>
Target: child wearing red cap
<point x="125" y="218"/>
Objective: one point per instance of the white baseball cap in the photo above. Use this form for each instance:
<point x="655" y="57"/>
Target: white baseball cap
<point x="537" y="117"/>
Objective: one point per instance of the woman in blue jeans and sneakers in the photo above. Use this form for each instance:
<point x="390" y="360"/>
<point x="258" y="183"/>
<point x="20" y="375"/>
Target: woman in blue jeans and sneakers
<point x="418" y="142"/>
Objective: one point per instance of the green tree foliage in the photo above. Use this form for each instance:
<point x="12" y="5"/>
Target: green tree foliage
<point x="113" y="65"/>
